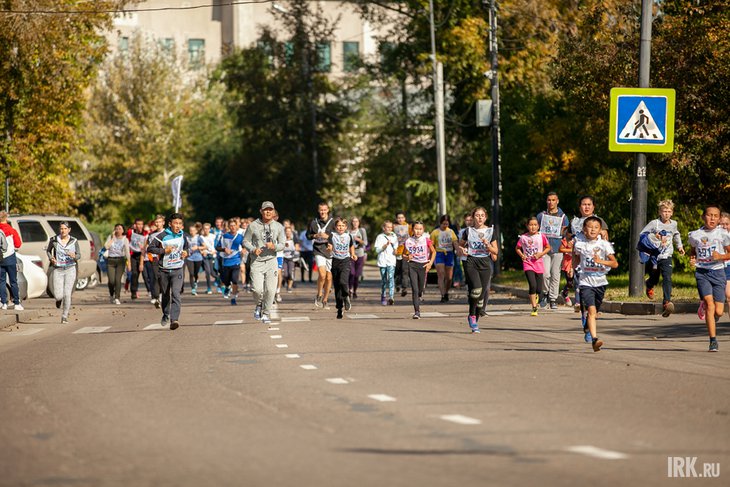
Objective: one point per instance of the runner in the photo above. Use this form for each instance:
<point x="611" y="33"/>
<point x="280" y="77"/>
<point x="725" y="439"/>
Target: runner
<point x="9" y="264"/>
<point x="137" y="243"/>
<point x="385" y="245"/>
<point x="229" y="248"/>
<point x="118" y="261"/>
<point x="360" y="236"/>
<point x="209" y="256"/>
<point x="194" y="260"/>
<point x="319" y="232"/>
<point x="171" y="247"/>
<point x="553" y="224"/>
<point x="402" y="231"/>
<point x="63" y="253"/>
<point x="155" y="284"/>
<point x="291" y="254"/>
<point x="342" y="246"/>
<point x="420" y="254"/>
<point x="532" y="246"/>
<point x="444" y="240"/>
<point x="264" y="238"/>
<point x="478" y="244"/>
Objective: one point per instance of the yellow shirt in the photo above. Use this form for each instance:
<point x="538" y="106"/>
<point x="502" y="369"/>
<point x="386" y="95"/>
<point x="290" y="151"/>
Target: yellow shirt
<point x="443" y="240"/>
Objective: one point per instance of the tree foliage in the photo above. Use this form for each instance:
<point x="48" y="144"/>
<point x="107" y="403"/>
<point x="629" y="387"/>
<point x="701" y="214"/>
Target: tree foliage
<point x="46" y="63"/>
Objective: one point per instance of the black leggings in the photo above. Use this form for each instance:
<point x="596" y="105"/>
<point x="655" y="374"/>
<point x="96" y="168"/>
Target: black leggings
<point x="194" y="267"/>
<point x="534" y="282"/>
<point x="340" y="280"/>
<point x="478" y="273"/>
<point x="417" y="276"/>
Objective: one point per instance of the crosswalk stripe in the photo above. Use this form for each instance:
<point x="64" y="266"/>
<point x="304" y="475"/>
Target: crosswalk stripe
<point x="228" y="322"/>
<point x="362" y="316"/>
<point x="459" y="419"/>
<point x="92" y="329"/>
<point x="31" y="331"/>
<point x="294" y="319"/>
<point x="593" y="451"/>
<point x="337" y="380"/>
<point x="433" y="314"/>
<point x="382" y="397"/>
<point x="308" y="367"/>
<point x="157" y="326"/>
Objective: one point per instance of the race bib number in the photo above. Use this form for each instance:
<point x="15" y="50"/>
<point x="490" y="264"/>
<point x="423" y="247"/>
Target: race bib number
<point x="550" y="226"/>
<point x="445" y="241"/>
<point x="704" y="252"/>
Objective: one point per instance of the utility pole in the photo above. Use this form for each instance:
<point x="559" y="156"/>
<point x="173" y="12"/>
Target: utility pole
<point x="496" y="137"/>
<point x="639" y="188"/>
<point x="438" y="88"/>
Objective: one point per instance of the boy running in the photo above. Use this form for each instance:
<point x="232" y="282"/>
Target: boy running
<point x="319" y="231"/>
<point x="229" y="249"/>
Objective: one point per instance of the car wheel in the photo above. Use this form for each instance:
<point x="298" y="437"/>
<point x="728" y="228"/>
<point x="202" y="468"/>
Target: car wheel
<point x="82" y="283"/>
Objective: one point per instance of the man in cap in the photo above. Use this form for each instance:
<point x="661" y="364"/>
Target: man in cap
<point x="264" y="238"/>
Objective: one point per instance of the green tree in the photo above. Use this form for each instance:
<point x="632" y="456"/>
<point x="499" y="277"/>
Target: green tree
<point x="47" y="61"/>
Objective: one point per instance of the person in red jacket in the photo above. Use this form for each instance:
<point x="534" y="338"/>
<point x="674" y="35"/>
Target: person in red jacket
<point x="8" y="266"/>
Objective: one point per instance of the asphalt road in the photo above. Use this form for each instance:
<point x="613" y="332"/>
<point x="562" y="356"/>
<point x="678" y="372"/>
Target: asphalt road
<point x="375" y="399"/>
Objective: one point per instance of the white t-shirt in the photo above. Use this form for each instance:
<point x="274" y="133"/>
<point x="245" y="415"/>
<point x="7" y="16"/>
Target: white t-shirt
<point x="705" y="243"/>
<point x="592" y="274"/>
<point x="386" y="257"/>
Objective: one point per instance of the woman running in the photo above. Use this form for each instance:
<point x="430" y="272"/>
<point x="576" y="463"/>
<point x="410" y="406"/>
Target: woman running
<point x="117" y="261"/>
<point x="63" y="253"/>
<point x="444" y="239"/>
<point x="420" y="254"/>
<point x="360" y="236"/>
<point x="478" y="245"/>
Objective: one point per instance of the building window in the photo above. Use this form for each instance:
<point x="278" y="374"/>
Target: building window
<point x="351" y="55"/>
<point x="387" y="50"/>
<point x="324" y="57"/>
<point x="167" y="44"/>
<point x="267" y="49"/>
<point x="196" y="52"/>
<point x="124" y="44"/>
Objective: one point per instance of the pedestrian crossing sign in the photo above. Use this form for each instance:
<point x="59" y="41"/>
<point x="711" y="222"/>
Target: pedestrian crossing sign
<point x="641" y="120"/>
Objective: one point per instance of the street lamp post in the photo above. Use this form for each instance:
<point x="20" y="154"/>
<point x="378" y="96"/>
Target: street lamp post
<point x="496" y="137"/>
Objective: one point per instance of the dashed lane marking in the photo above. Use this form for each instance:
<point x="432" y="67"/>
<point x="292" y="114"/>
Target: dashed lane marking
<point x="157" y="326"/>
<point x="282" y="345"/>
<point x="273" y="329"/>
<point x="337" y="380"/>
<point x="292" y="355"/>
<point x="595" y="452"/>
<point x="21" y="333"/>
<point x="275" y="337"/>
<point x="92" y="329"/>
<point x="362" y="317"/>
<point x="294" y="319"/>
<point x="459" y="419"/>
<point x="308" y="367"/>
<point x="382" y="397"/>
<point x="433" y="314"/>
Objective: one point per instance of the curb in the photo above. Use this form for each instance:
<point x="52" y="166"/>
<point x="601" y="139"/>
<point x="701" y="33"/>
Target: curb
<point x="15" y="317"/>
<point x="619" y="307"/>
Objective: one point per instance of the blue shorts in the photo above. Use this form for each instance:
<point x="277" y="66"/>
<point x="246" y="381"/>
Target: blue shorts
<point x="727" y="272"/>
<point x="711" y="283"/>
<point x="592" y="296"/>
<point x="280" y="262"/>
<point x="446" y="259"/>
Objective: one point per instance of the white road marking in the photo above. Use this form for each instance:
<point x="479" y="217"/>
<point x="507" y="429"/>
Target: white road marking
<point x="282" y="345"/>
<point x="432" y="314"/>
<point x="273" y="329"/>
<point x="292" y="355"/>
<point x="275" y="337"/>
<point x="362" y="317"/>
<point x="228" y="322"/>
<point x="382" y="397"/>
<point x="337" y="380"/>
<point x="22" y="333"/>
<point x="157" y="326"/>
<point x="274" y="314"/>
<point x="92" y="329"/>
<point x="294" y="319"/>
<point x="501" y="313"/>
<point x="459" y="419"/>
<point x="593" y="451"/>
<point x="308" y="367"/>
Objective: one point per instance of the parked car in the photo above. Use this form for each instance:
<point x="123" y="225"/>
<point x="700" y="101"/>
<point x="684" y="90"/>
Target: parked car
<point x="30" y="271"/>
<point x="36" y="230"/>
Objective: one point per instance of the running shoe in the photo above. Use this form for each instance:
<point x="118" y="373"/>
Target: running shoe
<point x="403" y="293"/>
<point x="165" y="321"/>
<point x="209" y="291"/>
<point x="64" y="321"/>
<point x="157" y="303"/>
<point x="265" y="319"/>
<point x="446" y="297"/>
<point x="568" y="301"/>
<point x="668" y="309"/>
<point x="4" y="306"/>
<point x="587" y="335"/>
<point x="391" y="302"/>
<point x="597" y="344"/>
<point x="19" y="307"/>
<point x="194" y="292"/>
<point x="443" y="299"/>
<point x="543" y="301"/>
<point x="649" y="291"/>
<point x="318" y="302"/>
<point x="553" y="305"/>
<point x="417" y="315"/>
<point x="702" y="310"/>
<point x="116" y="301"/>
<point x="174" y="325"/>
<point x="483" y="311"/>
<point x="713" y="346"/>
<point x="278" y="297"/>
<point x="348" y="303"/>
<point x="339" y="314"/>
<point x="233" y="302"/>
<point x="325" y="305"/>
<point x="257" y="313"/>
<point x="354" y="295"/>
<point x="383" y="301"/>
<point x="473" y="325"/>
<point x="534" y="311"/>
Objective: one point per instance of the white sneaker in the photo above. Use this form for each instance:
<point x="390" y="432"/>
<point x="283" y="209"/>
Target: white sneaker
<point x="116" y="301"/>
<point x="19" y="307"/>
<point x="4" y="306"/>
<point x="265" y="319"/>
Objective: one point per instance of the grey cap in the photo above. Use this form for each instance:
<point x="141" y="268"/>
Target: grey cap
<point x="267" y="204"/>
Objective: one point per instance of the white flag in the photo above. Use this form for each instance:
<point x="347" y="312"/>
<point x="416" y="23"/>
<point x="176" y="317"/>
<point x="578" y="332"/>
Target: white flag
<point x="176" y="197"/>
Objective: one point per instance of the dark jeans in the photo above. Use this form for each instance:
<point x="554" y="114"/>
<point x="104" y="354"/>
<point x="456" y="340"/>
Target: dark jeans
<point x="664" y="267"/>
<point x="356" y="268"/>
<point x="134" y="286"/>
<point x="194" y="267"/>
<point x="152" y="278"/>
<point x="171" y="283"/>
<point x="401" y="274"/>
<point x="115" y="267"/>
<point x="9" y="268"/>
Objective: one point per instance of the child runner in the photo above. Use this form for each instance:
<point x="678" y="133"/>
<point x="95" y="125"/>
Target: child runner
<point x="478" y="245"/>
<point x="566" y="268"/>
<point x="710" y="247"/>
<point x="194" y="261"/>
<point x="208" y="256"/>
<point x="420" y="254"/>
<point x="385" y="245"/>
<point x="444" y="239"/>
<point x="360" y="235"/>
<point x="595" y="256"/>
<point x="229" y="248"/>
<point x="531" y="247"/>
<point x="725" y="222"/>
<point x="172" y="248"/>
<point x="402" y="231"/>
<point x="291" y="249"/>
<point x="341" y="245"/>
<point x="664" y="231"/>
